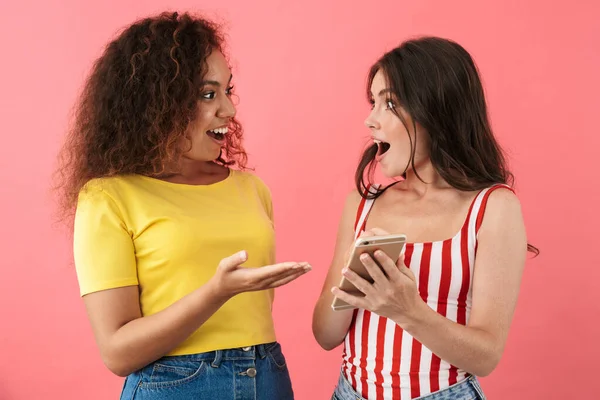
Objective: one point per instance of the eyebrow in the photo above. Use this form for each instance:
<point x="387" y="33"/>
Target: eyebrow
<point x="382" y="92"/>
<point x="215" y="83"/>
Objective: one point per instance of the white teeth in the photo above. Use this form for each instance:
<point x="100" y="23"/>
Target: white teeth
<point x="222" y="131"/>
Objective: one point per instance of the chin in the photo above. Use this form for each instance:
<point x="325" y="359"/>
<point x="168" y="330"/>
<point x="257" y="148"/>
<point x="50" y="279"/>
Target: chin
<point x="202" y="157"/>
<point x="391" y="171"/>
<point x="213" y="157"/>
<point x="391" y="174"/>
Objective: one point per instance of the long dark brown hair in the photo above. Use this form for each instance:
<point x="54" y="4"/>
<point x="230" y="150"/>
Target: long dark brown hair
<point x="437" y="82"/>
<point x="137" y="103"/>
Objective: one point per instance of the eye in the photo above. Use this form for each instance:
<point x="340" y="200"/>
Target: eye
<point x="208" y="95"/>
<point x="372" y="103"/>
<point x="390" y="105"/>
<point x="229" y="91"/>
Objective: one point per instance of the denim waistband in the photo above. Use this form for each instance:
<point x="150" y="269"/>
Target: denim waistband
<point x="468" y="388"/>
<point x="218" y="356"/>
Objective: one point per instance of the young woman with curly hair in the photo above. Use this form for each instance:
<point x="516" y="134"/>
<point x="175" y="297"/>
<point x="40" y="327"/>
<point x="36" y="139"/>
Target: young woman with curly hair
<point x="169" y="230"/>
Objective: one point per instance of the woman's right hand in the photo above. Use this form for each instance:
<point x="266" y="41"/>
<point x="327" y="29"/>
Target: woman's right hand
<point x="232" y="278"/>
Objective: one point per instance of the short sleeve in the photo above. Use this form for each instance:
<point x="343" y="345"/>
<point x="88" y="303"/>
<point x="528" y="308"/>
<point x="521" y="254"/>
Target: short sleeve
<point x="265" y="196"/>
<point x="102" y="246"/>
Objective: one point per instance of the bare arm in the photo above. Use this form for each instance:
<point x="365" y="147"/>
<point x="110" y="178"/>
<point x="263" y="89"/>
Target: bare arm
<point x="128" y="341"/>
<point x="500" y="259"/>
<point x="330" y="327"/>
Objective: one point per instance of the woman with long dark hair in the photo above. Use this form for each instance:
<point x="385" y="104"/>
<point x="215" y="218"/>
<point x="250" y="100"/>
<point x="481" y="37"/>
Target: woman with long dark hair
<point x="433" y="321"/>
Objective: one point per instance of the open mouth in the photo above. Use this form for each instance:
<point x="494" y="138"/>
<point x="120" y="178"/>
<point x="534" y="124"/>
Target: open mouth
<point x="218" y="134"/>
<point x="382" y="147"/>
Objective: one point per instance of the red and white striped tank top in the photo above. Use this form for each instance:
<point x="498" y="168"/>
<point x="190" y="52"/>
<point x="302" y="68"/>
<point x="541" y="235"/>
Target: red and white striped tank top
<point x="383" y="362"/>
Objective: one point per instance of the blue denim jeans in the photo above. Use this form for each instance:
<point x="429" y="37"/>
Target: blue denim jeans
<point x="249" y="373"/>
<point x="467" y="389"/>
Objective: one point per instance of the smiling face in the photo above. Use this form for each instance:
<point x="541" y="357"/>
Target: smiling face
<point x="206" y="134"/>
<point x="394" y="132"/>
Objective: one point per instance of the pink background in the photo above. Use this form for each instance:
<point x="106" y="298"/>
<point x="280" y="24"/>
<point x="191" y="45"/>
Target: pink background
<point x="300" y="73"/>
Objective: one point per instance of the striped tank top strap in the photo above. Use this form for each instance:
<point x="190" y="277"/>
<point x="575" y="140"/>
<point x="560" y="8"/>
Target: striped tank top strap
<point x="362" y="213"/>
<point x="477" y="211"/>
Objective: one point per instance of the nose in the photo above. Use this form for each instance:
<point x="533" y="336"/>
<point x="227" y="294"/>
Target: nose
<point x="226" y="108"/>
<point x="371" y="122"/>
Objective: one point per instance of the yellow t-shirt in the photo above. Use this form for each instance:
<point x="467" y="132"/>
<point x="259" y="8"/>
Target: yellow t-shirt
<point x="168" y="238"/>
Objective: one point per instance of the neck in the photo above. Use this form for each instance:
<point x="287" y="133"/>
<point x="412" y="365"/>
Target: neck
<point x="427" y="180"/>
<point x="194" y="171"/>
<point x="192" y="168"/>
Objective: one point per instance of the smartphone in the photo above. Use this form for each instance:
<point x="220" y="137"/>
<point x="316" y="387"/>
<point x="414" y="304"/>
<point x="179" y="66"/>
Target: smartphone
<point x="392" y="245"/>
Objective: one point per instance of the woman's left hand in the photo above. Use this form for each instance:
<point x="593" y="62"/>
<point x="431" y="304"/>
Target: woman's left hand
<point x="393" y="294"/>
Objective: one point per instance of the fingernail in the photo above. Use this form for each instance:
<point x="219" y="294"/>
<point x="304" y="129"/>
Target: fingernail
<point x="333" y="289"/>
<point x="379" y="253"/>
<point x="345" y="271"/>
<point x="364" y="257"/>
<point x="243" y="255"/>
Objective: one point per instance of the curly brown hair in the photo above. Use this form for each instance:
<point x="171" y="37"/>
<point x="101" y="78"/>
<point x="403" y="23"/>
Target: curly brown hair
<point x="136" y="105"/>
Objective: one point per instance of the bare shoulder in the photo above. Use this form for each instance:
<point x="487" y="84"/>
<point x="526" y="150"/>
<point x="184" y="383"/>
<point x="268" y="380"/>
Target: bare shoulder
<point x="353" y="198"/>
<point x="503" y="218"/>
<point x="348" y="216"/>
<point x="503" y="203"/>
<point x="351" y="204"/>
